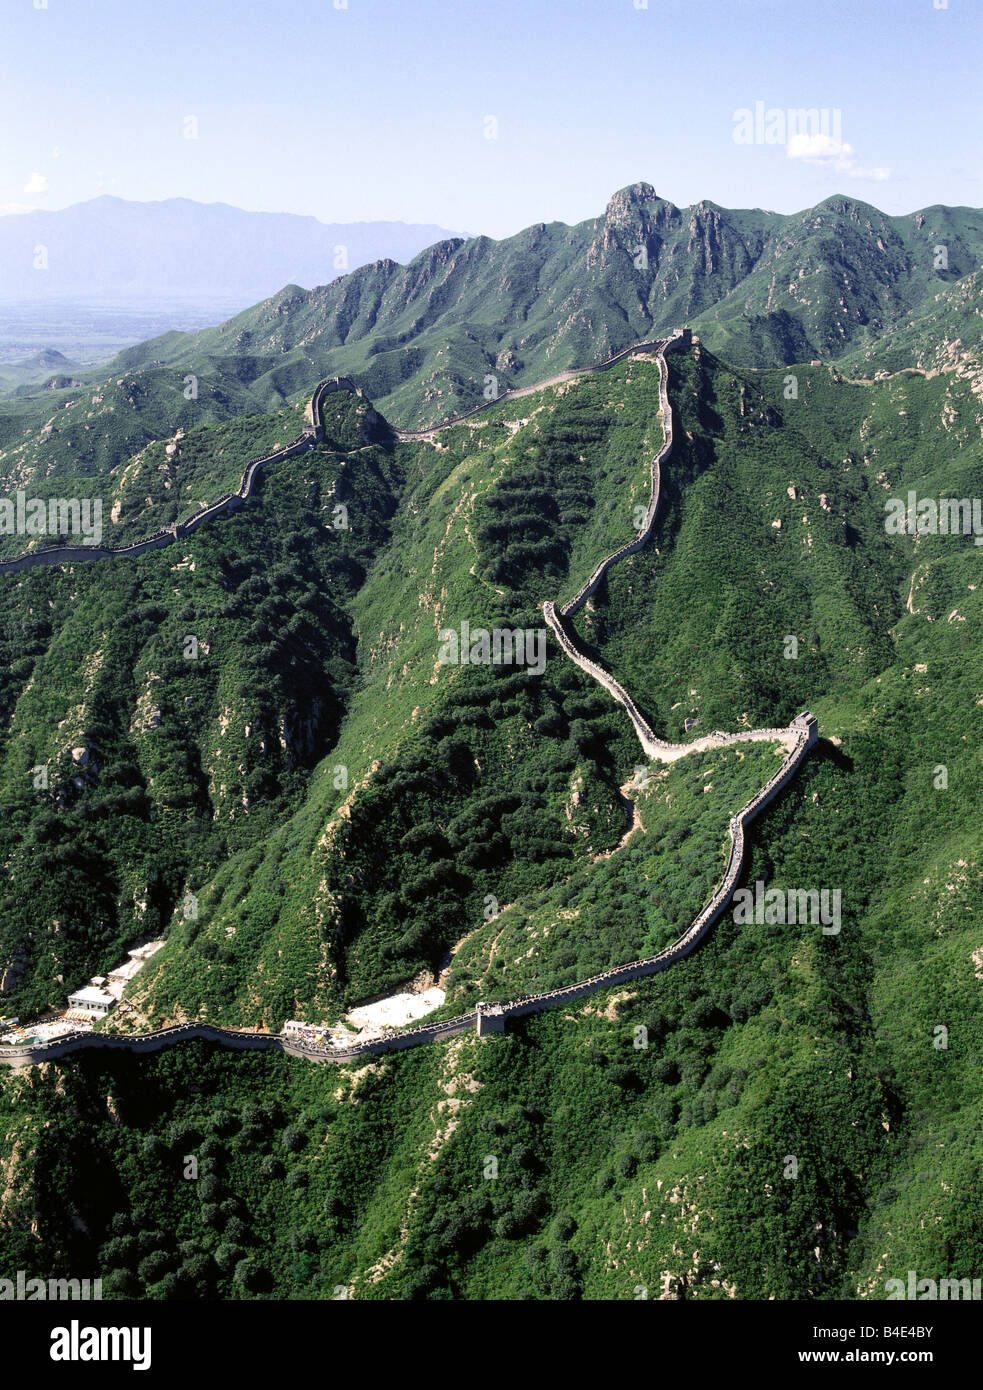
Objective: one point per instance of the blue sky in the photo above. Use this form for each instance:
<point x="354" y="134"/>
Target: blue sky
<point x="379" y="109"/>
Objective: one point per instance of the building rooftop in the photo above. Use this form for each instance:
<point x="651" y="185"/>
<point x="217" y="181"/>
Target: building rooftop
<point x="145" y="952"/>
<point x="126" y="971"/>
<point x="91" y="995"/>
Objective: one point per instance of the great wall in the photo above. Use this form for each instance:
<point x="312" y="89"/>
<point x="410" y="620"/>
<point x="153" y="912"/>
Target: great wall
<point x="797" y="738"/>
<point x="69" y="554"/>
<point x="312" y="435"/>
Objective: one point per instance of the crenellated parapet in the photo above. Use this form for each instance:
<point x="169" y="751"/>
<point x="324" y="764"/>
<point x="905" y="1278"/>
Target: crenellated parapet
<point x="801" y="735"/>
<point x="313" y="433"/>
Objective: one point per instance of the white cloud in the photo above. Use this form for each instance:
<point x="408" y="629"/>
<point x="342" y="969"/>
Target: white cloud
<point x="834" y="154"/>
<point x="10" y="209"/>
<point x="37" y="183"/>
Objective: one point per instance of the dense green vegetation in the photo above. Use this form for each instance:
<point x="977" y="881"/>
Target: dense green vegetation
<point x="766" y="1135"/>
<point x="368" y="885"/>
<point x="162" y="715"/>
<point x="839" y="281"/>
<point x="355" y="834"/>
<point x="631" y="904"/>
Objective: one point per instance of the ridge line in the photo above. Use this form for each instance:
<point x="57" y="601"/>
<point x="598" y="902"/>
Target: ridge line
<point x="798" y="738"/>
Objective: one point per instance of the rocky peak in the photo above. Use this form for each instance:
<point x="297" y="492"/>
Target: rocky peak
<point x="632" y="196"/>
<point x="637" y="209"/>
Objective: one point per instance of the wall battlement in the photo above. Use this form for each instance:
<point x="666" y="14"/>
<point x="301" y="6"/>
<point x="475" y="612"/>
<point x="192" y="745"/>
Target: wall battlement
<point x="801" y="735"/>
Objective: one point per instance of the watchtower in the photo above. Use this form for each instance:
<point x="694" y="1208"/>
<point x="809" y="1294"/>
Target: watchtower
<point x="808" y="722"/>
<point x="490" y="1018"/>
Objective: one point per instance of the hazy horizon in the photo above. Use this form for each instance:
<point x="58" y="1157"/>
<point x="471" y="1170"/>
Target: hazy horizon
<point x="540" y="114"/>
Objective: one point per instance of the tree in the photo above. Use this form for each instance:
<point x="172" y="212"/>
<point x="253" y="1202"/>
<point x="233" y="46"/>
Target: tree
<point x="625" y="1164"/>
<point x="122" y="1283"/>
<point x="154" y="1266"/>
<point x="251" y="1275"/>
<point x="236" y="1230"/>
<point x="227" y="1256"/>
<point x="294" y="1139"/>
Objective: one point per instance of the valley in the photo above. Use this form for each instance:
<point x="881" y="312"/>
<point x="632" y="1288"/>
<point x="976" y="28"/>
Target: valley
<point x="344" y="810"/>
<point x="797" y="739"/>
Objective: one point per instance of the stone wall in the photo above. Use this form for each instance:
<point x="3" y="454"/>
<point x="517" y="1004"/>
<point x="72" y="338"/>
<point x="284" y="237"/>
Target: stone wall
<point x="799" y="737"/>
<point x="72" y="554"/>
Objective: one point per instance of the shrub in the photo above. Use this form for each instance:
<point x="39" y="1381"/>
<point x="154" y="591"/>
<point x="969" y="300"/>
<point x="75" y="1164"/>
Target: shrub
<point x="625" y="1164"/>
<point x="563" y="1227"/>
<point x="122" y="1282"/>
<point x="209" y="1188"/>
<point x="237" y="1230"/>
<point x="248" y="1273"/>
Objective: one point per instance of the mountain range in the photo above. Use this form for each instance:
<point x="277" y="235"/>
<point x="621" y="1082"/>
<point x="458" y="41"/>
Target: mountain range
<point x="840" y="281"/>
<point x="177" y="250"/>
<point x="313" y="810"/>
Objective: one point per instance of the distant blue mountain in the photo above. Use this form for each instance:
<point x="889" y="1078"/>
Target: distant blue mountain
<point x="132" y="253"/>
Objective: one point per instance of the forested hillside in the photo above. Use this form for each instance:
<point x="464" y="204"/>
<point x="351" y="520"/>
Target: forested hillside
<point x="839" y="281"/>
<point x="342" y="806"/>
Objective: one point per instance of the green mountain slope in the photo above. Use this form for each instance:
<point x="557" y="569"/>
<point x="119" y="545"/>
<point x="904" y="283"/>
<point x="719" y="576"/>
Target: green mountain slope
<point x="832" y="281"/>
<point x="762" y="289"/>
<point x="343" y="807"/>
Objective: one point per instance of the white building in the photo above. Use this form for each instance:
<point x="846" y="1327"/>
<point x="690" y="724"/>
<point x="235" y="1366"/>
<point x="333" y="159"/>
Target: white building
<point x="145" y="952"/>
<point x="122" y="975"/>
<point x="92" y="1000"/>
